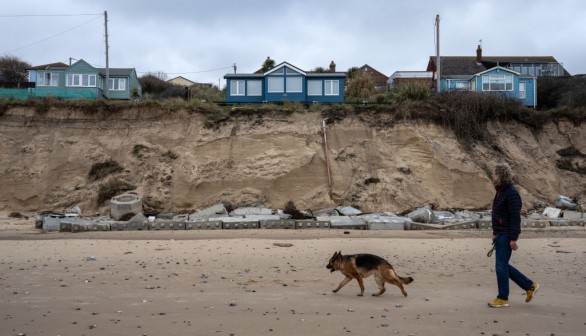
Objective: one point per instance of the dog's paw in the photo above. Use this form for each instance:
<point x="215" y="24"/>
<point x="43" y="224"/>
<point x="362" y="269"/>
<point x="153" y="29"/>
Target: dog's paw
<point x="334" y="291"/>
<point x="360" y="294"/>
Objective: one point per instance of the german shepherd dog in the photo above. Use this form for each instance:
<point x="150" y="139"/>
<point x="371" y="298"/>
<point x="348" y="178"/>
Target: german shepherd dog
<point x="359" y="266"/>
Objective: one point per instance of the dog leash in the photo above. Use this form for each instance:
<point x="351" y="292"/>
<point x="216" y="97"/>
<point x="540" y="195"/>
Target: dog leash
<point x="491" y="250"/>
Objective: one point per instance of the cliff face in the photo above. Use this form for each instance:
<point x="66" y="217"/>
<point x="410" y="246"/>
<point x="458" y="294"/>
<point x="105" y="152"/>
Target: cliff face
<point x="179" y="164"/>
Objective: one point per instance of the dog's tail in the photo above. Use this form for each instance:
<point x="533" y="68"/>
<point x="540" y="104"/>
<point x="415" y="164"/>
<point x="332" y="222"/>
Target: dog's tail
<point x="406" y="280"/>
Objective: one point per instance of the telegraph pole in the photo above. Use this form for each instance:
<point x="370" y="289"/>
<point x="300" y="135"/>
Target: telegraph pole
<point x="107" y="88"/>
<point x="437" y="52"/>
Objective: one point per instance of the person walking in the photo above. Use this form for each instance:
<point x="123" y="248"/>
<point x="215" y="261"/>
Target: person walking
<point x="506" y="227"/>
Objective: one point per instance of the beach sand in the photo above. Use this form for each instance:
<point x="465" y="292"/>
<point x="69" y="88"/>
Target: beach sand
<point x="251" y="282"/>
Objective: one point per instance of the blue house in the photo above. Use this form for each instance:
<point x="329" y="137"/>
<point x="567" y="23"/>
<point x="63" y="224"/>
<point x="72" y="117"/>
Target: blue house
<point x="286" y="82"/>
<point x="82" y="80"/>
<point x="515" y="77"/>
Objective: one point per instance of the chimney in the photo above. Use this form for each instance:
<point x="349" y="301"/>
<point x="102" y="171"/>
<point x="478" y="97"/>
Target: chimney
<point x="332" y="67"/>
<point x="479" y="55"/>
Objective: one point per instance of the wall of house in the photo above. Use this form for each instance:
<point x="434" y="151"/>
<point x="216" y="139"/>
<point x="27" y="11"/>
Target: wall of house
<point x="245" y="98"/>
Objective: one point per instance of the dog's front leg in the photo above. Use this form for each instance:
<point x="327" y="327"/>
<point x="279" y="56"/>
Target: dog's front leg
<point x="342" y="284"/>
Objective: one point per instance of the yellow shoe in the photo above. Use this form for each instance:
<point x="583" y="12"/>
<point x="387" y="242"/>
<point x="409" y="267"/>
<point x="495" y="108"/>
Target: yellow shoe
<point x="498" y="303"/>
<point x="531" y="291"/>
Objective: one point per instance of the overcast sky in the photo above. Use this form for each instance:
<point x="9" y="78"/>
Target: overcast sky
<point x="195" y="38"/>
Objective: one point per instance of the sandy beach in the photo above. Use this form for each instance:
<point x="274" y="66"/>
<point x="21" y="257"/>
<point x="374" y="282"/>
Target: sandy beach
<point x="274" y="282"/>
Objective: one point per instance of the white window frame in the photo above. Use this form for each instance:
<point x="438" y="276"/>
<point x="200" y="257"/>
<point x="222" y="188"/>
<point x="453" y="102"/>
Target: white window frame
<point x="297" y="85"/>
<point x="331" y="87"/>
<point x="52" y="77"/>
<point x="462" y="86"/>
<point x="237" y="87"/>
<point x="522" y="90"/>
<point x="119" y="84"/>
<point x="488" y="81"/>
<point x="252" y="86"/>
<point x="77" y="80"/>
<point x="277" y="80"/>
<point x="314" y="84"/>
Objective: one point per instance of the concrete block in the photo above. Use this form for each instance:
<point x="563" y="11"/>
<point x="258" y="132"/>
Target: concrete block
<point x="424" y="226"/>
<point x="378" y="224"/>
<point x="203" y="225"/>
<point x="89" y="226"/>
<point x="534" y="224"/>
<point x="347" y="223"/>
<point x="563" y="222"/>
<point x="240" y="225"/>
<point x="278" y="224"/>
<point x="52" y="222"/>
<point x="311" y="224"/>
<point x="349" y="211"/>
<point x="552" y="212"/>
<point x="166" y="225"/>
<point x="567" y="214"/>
<point x="124" y="204"/>
<point x="464" y="225"/>
<point x="484" y="224"/>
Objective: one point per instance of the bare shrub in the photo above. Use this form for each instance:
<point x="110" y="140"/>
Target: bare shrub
<point x="292" y="210"/>
<point x="102" y="169"/>
<point x="112" y="188"/>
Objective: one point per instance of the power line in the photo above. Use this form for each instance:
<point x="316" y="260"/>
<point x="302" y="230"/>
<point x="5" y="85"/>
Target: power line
<point x="47" y="15"/>
<point x="50" y="37"/>
<point x="192" y="72"/>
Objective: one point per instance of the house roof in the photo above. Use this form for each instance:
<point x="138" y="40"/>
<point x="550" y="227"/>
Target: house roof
<point x="258" y="74"/>
<point x="116" y="71"/>
<point x="182" y="79"/>
<point x="466" y="65"/>
<point x="58" y="65"/>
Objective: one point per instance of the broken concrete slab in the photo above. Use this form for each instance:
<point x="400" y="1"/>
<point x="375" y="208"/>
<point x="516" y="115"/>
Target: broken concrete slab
<point x="52" y="222"/>
<point x="445" y="216"/>
<point x="422" y="215"/>
<point x="87" y="227"/>
<point x="349" y="211"/>
<point x="180" y="217"/>
<point x="552" y="212"/>
<point x="462" y="225"/>
<point x="326" y="212"/>
<point x="251" y="211"/>
<point x="382" y="224"/>
<point x="565" y="202"/>
<point x="424" y="226"/>
<point x="217" y="209"/>
<point x="263" y="217"/>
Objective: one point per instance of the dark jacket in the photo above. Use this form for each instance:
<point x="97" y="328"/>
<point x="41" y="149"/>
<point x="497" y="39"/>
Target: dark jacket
<point x="506" y="211"/>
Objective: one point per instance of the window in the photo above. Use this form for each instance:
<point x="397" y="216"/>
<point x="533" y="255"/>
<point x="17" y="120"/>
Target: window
<point x="462" y="86"/>
<point x="332" y="87"/>
<point x="276" y="84"/>
<point x="294" y="84"/>
<point x="237" y="88"/>
<point x="314" y="88"/>
<point x="83" y="80"/>
<point x="117" y="84"/>
<point x="497" y="83"/>
<point x="254" y="88"/>
<point x="48" y="79"/>
<point x="522" y="90"/>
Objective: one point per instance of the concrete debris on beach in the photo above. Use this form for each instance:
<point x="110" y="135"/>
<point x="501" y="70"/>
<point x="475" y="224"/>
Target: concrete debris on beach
<point x="126" y="213"/>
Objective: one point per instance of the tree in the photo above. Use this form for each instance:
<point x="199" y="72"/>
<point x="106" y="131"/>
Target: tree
<point x="360" y="85"/>
<point x="268" y="64"/>
<point x="13" y="69"/>
<point x="319" y="69"/>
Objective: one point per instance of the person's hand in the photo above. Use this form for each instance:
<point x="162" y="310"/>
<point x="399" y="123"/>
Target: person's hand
<point x="514" y="246"/>
<point x="493" y="237"/>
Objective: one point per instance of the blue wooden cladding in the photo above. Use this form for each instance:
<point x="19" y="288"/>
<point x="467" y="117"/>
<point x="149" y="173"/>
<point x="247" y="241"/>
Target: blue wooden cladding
<point x="285" y="83"/>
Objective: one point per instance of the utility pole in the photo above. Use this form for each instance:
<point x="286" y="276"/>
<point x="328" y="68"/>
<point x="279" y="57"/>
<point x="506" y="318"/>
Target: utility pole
<point x="437" y="52"/>
<point x="107" y="89"/>
<point x="234" y="67"/>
